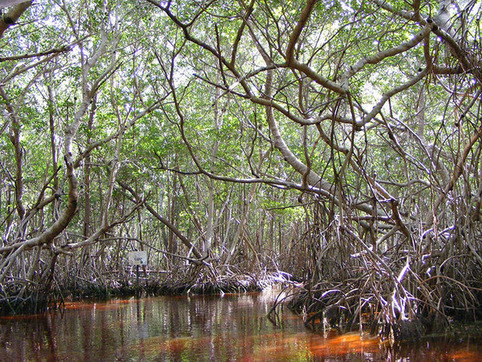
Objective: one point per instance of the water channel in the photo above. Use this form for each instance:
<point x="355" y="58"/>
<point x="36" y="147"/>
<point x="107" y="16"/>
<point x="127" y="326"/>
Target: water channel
<point x="199" y="328"/>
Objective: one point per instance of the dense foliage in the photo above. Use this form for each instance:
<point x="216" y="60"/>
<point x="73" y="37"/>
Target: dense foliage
<point x="338" y="142"/>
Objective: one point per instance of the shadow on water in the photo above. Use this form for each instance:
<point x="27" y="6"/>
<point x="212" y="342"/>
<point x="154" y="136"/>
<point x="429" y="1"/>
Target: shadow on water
<point x="228" y="328"/>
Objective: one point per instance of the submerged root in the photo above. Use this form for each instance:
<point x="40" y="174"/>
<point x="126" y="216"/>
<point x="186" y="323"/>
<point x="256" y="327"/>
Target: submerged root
<point x="29" y="305"/>
<point x="204" y="280"/>
<point x="398" y="286"/>
<point x="385" y="307"/>
<point x="337" y="309"/>
<point x="192" y="279"/>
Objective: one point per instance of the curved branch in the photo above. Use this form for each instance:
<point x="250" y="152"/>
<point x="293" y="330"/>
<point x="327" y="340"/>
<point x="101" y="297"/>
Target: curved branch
<point x="166" y="222"/>
<point x="305" y="14"/>
<point x="62" y="49"/>
<point x="386" y="96"/>
<point x="378" y="57"/>
<point x="11" y="17"/>
<point x="459" y="168"/>
<point x="312" y="177"/>
<point x="62" y="222"/>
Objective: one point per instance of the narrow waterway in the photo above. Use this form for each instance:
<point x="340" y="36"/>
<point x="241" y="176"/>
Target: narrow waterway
<point x="198" y="328"/>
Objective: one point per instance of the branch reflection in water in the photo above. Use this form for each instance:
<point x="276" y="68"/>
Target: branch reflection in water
<point x="231" y="327"/>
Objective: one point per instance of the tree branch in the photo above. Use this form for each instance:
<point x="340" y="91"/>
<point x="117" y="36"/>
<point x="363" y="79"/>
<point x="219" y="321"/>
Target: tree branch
<point x="11" y="17"/>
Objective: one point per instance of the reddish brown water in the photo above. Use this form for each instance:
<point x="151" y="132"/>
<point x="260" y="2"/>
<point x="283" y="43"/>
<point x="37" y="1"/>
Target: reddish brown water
<point x="199" y="328"/>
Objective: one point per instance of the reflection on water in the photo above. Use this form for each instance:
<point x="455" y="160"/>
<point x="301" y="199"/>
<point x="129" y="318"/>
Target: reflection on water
<point x="228" y="328"/>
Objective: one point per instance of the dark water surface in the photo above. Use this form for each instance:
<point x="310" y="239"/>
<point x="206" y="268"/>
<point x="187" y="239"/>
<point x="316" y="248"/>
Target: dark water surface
<point x="199" y="328"/>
